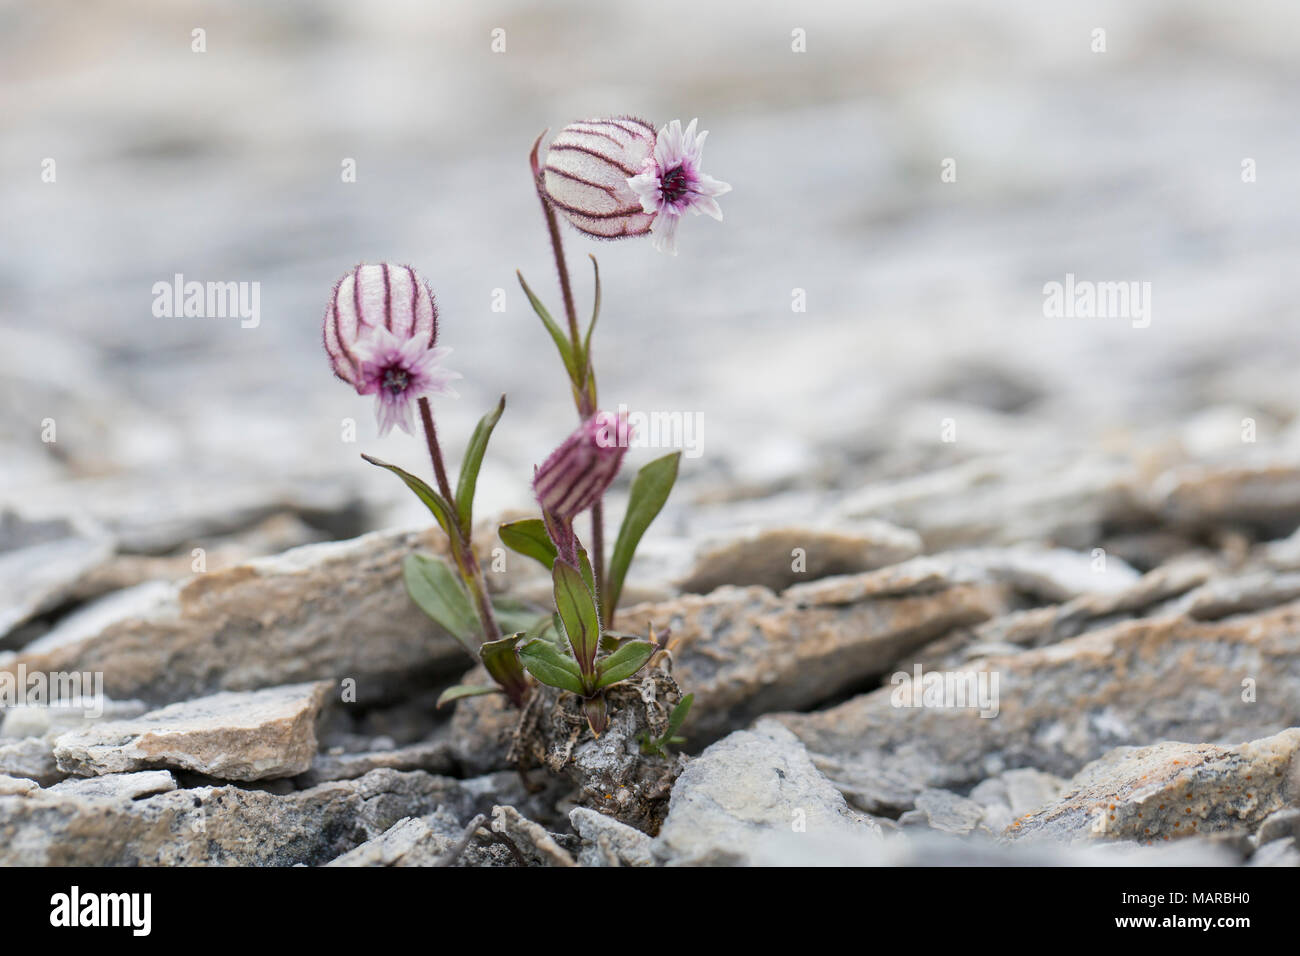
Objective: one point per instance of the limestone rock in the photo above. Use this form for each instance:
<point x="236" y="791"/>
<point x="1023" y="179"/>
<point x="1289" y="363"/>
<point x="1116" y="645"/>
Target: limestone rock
<point x="746" y="790"/>
<point x="41" y="561"/>
<point x="1169" y="791"/>
<point x="1066" y="704"/>
<point x="323" y="611"/>
<point x="218" y="826"/>
<point x="606" y="842"/>
<point x="764" y="557"/>
<point x="253" y="735"/>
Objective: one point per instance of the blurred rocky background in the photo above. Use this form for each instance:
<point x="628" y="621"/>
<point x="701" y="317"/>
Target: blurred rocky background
<point x="920" y="402"/>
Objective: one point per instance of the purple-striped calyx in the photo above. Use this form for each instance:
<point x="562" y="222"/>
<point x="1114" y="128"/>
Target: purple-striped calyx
<point x="615" y="178"/>
<point x="577" y="473"/>
<point x="380" y="331"/>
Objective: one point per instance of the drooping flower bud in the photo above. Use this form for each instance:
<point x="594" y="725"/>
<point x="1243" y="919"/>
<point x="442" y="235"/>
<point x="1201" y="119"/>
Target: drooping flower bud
<point x="391" y="297"/>
<point x="586" y="175"/>
<point x="577" y="473"/>
<point x="379" y="331"/>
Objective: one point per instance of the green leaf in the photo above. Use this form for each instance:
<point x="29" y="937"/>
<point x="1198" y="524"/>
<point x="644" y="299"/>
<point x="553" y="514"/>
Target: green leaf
<point x="677" y="717"/>
<point x="478" y="443"/>
<point x="577" y="609"/>
<point x="630" y="657"/>
<point x="440" y="594"/>
<point x="584" y="358"/>
<point x="551" y="666"/>
<point x="562" y="342"/>
<point x="528" y="537"/>
<point x="465" y="690"/>
<point x="650" y="489"/>
<point x="503" y="664"/>
<point x="514" y="615"/>
<point x="435" y="502"/>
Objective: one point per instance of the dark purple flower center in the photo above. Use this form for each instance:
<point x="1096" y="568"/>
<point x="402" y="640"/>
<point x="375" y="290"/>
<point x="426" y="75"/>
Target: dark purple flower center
<point x="674" y="184"/>
<point x="396" y="379"/>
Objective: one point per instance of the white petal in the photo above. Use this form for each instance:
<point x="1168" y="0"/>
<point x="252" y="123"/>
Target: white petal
<point x="664" y="232"/>
<point x="708" y="186"/>
<point x="707" y="205"/>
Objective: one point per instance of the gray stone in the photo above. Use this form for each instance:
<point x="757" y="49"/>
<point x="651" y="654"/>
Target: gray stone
<point x="30" y="757"/>
<point x="41" y="561"/>
<point x="117" y="786"/>
<point x="606" y="842"/>
<point x="1279" y="825"/>
<point x="765" y="556"/>
<point x="1066" y="704"/>
<point x="530" y="839"/>
<point x="324" y="611"/>
<point x="253" y="735"/>
<point x="1170" y="791"/>
<point x="943" y="810"/>
<point x="435" y="756"/>
<point x="747" y="790"/>
<point x="218" y="826"/>
<point x="1284" y="852"/>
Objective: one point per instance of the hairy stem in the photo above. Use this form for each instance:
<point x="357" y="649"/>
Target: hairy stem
<point x="462" y="550"/>
<point x="582" y="398"/>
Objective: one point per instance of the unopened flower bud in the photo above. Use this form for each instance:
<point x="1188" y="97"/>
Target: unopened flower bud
<point x="577" y="473"/>
<point x="586" y="175"/>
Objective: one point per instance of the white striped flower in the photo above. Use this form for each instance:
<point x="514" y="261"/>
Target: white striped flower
<point x="379" y="330"/>
<point x="586" y="175"/>
<point x="670" y="183"/>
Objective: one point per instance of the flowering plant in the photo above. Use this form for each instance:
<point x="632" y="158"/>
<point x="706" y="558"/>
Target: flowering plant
<point x="613" y="178"/>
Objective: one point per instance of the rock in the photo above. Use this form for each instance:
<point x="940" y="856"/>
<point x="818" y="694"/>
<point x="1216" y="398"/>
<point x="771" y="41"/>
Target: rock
<point x="1171" y="790"/>
<point x="1278" y="826"/>
<point x="1284" y="852"/>
<point x="765" y="557"/>
<point x="944" y="811"/>
<point x="31" y="720"/>
<point x="746" y="790"/>
<point x="30" y="757"/>
<point x="1062" y="499"/>
<point x="218" y="826"/>
<point x="41" y="561"/>
<point x="1064" y="705"/>
<point x="745" y="651"/>
<point x="408" y="842"/>
<point x="117" y="786"/>
<point x="320" y="612"/>
<point x="606" y="842"/>
<point x="1013" y="794"/>
<point x="435" y="756"/>
<point x="1262" y="495"/>
<point x="536" y="845"/>
<point x="253" y="735"/>
<point x="10" y="786"/>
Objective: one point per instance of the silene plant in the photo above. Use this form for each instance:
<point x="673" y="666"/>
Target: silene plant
<point x="612" y="179"/>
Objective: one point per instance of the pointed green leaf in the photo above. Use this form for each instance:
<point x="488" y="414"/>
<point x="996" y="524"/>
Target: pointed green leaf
<point x="478" y="443"/>
<point x="552" y="666"/>
<point x="465" y="690"/>
<point x="528" y="537"/>
<point x="435" y="502"/>
<point x="650" y="490"/>
<point x="577" y="609"/>
<point x="562" y="342"/>
<point x="630" y="657"/>
<point x="677" y="717"/>
<point x="501" y="661"/>
<point x="440" y="594"/>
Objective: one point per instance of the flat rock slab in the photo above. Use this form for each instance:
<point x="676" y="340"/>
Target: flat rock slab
<point x="1066" y="704"/>
<point x="1172" y="791"/>
<point x="217" y="826"/>
<point x="253" y="735"/>
<point x="322" y="611"/>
